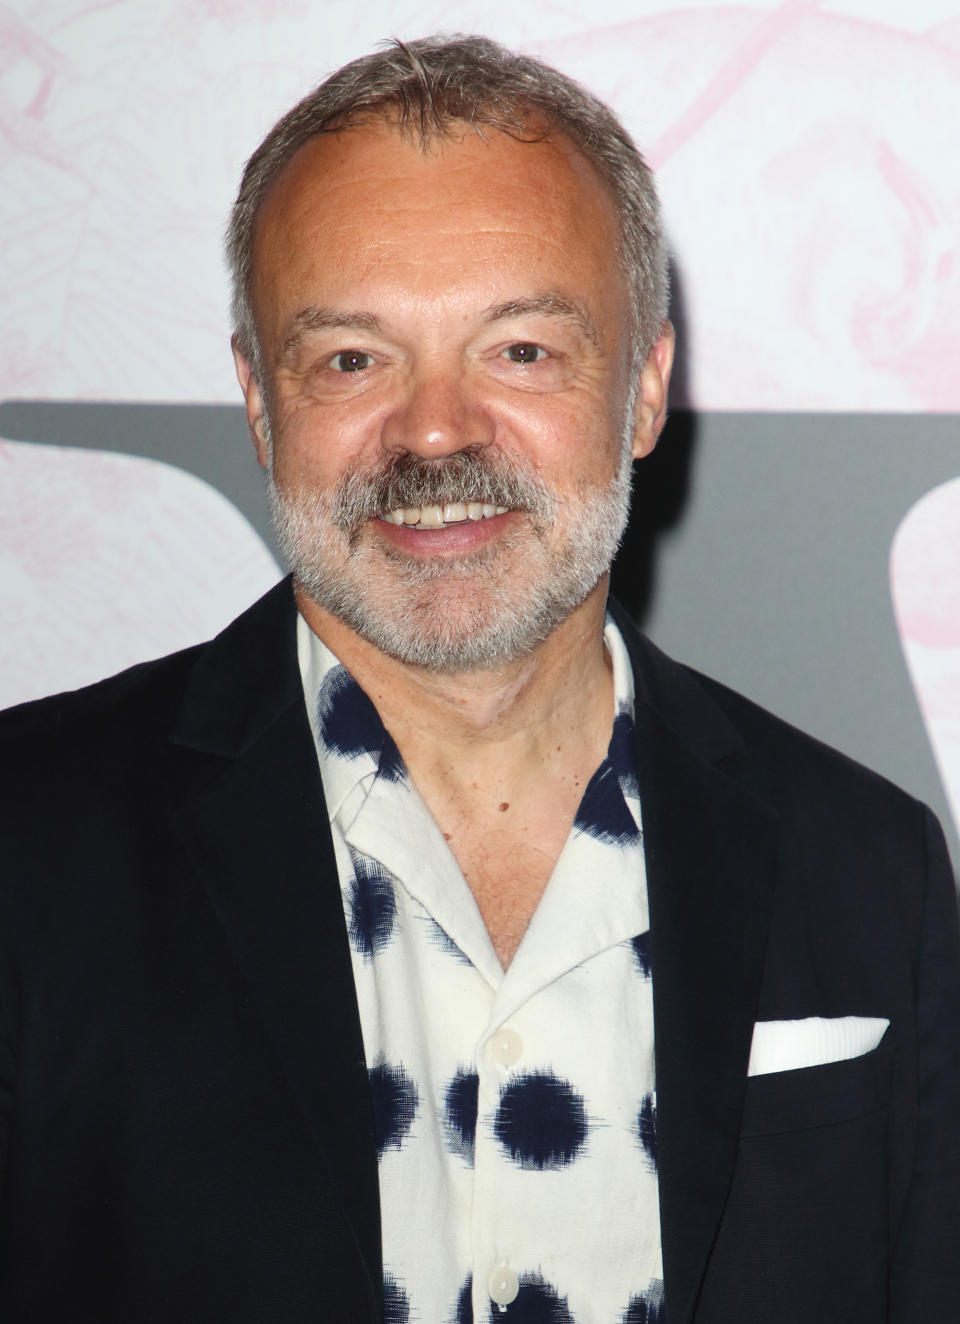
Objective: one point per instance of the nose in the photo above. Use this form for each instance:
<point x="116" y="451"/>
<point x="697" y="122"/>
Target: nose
<point x="438" y="414"/>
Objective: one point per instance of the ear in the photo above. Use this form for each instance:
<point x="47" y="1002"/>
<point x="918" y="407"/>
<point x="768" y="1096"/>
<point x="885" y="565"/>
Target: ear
<point x="256" y="418"/>
<point x="650" y="411"/>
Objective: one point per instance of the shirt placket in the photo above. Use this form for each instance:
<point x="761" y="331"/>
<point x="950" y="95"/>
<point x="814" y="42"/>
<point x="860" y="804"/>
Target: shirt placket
<point x="498" y="1255"/>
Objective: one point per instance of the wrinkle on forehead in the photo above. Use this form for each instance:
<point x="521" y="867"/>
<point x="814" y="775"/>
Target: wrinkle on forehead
<point x="367" y="160"/>
<point x="368" y="201"/>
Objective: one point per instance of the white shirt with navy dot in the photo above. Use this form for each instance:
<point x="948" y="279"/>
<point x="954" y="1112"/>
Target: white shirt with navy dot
<point x="515" y="1110"/>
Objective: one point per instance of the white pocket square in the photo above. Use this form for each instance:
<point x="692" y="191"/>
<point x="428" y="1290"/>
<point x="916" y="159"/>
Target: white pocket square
<point x="812" y="1042"/>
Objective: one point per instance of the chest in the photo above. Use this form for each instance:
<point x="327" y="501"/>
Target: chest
<point x="507" y="853"/>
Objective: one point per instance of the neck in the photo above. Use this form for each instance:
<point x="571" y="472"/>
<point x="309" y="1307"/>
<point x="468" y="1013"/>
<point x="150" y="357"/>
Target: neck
<point x="492" y="726"/>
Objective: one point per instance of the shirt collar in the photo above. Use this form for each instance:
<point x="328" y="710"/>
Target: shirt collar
<point x="379" y="813"/>
<point x="354" y="747"/>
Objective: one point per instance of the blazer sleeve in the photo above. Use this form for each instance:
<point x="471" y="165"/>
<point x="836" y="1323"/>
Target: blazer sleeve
<point x="926" y="1252"/>
<point x="7" y="1076"/>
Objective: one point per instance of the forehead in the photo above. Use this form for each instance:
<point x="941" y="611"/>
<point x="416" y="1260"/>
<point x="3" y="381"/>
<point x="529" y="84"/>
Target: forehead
<point x="367" y="202"/>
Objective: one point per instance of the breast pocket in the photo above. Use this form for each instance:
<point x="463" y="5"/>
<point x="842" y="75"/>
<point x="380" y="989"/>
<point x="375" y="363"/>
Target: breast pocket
<point x="804" y="1231"/>
<point x="818" y="1096"/>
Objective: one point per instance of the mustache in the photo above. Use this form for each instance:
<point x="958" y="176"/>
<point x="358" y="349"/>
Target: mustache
<point x="475" y="473"/>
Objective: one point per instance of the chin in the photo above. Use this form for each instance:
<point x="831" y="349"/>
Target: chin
<point x="478" y="612"/>
<point x="455" y="622"/>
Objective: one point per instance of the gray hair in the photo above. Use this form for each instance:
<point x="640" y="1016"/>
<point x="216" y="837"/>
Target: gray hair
<point x="427" y="86"/>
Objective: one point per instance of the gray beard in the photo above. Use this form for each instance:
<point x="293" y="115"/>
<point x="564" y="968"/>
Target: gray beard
<point x="451" y="615"/>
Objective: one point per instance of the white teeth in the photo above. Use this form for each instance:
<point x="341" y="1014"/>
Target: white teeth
<point x="435" y="517"/>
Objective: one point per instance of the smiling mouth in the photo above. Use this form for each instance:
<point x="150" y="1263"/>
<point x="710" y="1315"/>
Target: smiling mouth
<point x="439" y="517"/>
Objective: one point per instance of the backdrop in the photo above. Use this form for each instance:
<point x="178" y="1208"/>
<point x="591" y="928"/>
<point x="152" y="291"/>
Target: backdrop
<point x="797" y="532"/>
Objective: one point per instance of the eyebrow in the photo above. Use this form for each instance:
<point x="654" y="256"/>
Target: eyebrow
<point x="552" y="305"/>
<point x="324" y="319"/>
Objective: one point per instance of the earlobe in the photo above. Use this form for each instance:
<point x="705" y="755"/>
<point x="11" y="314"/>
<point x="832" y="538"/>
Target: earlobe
<point x="253" y="397"/>
<point x="650" y="411"/>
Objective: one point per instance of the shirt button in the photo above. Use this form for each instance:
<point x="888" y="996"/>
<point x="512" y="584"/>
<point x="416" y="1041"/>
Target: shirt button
<point x="506" y="1047"/>
<point x="503" y="1285"/>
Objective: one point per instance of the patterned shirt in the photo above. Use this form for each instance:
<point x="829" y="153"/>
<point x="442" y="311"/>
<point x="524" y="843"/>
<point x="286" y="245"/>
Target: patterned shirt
<point x="515" y="1110"/>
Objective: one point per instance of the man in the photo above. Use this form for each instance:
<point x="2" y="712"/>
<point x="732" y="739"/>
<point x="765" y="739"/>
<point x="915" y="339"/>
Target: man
<point x="428" y="946"/>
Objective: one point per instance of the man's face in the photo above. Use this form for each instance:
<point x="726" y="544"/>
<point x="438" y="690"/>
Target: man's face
<point x="446" y="342"/>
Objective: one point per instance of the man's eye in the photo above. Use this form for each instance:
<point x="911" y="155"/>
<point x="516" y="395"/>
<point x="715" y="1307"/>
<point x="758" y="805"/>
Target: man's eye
<point x="525" y="352"/>
<point x="350" y="360"/>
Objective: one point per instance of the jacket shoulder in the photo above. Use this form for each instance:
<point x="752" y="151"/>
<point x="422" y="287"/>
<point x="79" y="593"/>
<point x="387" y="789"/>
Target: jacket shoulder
<point x="795" y="755"/>
<point x="133" y="702"/>
<point x="801" y="774"/>
<point x="141" y="705"/>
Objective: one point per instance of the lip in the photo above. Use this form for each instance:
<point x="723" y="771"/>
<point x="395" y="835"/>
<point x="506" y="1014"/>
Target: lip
<point x="452" y="540"/>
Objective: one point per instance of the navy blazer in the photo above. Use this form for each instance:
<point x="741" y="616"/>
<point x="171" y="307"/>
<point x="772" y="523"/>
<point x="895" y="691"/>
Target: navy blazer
<point x="185" y="1120"/>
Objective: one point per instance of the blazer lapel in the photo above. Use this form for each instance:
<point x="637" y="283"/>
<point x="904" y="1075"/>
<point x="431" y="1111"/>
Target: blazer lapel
<point x="255" y="823"/>
<point x="711" y="847"/>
